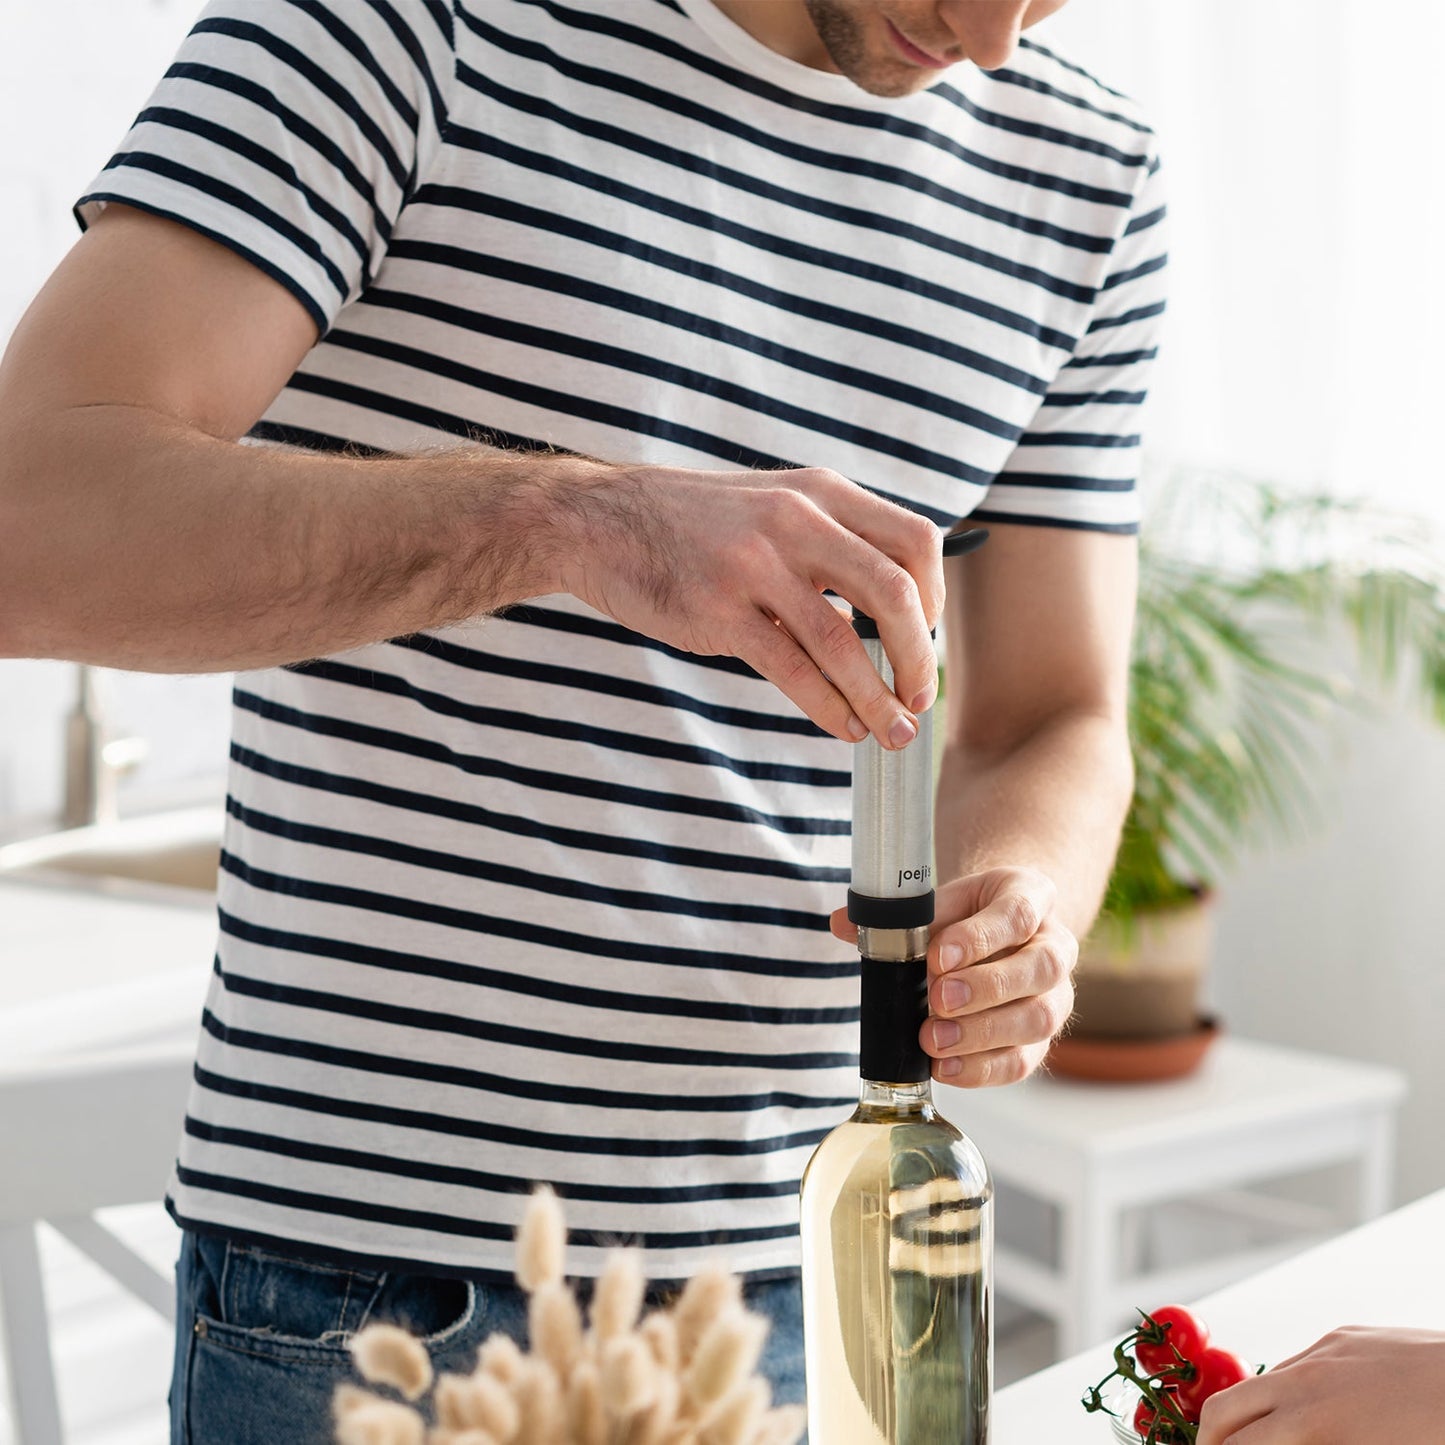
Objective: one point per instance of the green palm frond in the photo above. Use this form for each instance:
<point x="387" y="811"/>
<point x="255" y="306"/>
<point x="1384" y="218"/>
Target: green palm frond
<point x="1235" y="677"/>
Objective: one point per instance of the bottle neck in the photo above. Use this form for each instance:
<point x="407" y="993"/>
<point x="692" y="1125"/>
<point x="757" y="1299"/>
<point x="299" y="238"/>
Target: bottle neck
<point x="894" y="1007"/>
<point x="876" y="1097"/>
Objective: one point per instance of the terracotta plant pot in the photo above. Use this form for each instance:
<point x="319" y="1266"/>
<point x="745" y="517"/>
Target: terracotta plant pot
<point x="1132" y="1061"/>
<point x="1141" y="979"/>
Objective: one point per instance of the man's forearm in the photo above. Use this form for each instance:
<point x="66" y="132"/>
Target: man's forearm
<point x="130" y="539"/>
<point x="1054" y="802"/>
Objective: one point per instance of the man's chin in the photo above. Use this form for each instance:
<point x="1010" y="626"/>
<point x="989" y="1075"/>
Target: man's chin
<point x="894" y="84"/>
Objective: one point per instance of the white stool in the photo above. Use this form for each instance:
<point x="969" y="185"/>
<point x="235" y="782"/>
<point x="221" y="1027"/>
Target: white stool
<point x="1253" y="1112"/>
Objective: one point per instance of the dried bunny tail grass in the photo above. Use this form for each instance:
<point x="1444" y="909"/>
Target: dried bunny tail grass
<point x="477" y="1402"/>
<point x="540" y="1406"/>
<point x="495" y="1409"/>
<point x="660" y="1331"/>
<point x="380" y="1422"/>
<point x="346" y="1398"/>
<point x="388" y="1355"/>
<point x="629" y="1377"/>
<point x="500" y="1357"/>
<point x="783" y="1426"/>
<point x="541" y="1240"/>
<point x="725" y="1358"/>
<point x="707" y="1295"/>
<point x="679" y="1377"/>
<point x="738" y="1417"/>
<point x="555" y="1324"/>
<point x="451" y="1402"/>
<point x="617" y="1301"/>
<point x="653" y="1425"/>
<point x="586" y="1415"/>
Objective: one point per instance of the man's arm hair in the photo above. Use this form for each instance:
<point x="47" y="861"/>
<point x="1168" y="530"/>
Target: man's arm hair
<point x="137" y="531"/>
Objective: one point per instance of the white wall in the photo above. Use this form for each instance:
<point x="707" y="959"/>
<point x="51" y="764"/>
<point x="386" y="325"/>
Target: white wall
<point x="73" y="73"/>
<point x="1306" y="294"/>
<point x="1303" y="141"/>
<point x="1339" y="945"/>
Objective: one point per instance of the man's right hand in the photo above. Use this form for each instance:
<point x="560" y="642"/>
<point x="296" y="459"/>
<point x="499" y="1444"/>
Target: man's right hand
<point x="736" y="563"/>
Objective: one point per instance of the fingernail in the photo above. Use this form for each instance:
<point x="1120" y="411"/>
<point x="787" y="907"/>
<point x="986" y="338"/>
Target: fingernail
<point x="955" y="993"/>
<point x="946" y="1033"/>
<point x="950" y="956"/>
<point x="950" y="1067"/>
<point x="857" y="729"/>
<point x="902" y="732"/>
<point x="925" y="699"/>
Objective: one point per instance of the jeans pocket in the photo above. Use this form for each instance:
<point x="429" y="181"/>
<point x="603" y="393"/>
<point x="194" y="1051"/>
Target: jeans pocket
<point x="436" y="1309"/>
<point x="267" y="1334"/>
<point x="284" y="1305"/>
<point x="279" y="1304"/>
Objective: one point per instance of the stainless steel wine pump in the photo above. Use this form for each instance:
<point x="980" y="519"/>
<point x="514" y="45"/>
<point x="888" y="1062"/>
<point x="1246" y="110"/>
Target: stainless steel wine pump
<point x="891" y="897"/>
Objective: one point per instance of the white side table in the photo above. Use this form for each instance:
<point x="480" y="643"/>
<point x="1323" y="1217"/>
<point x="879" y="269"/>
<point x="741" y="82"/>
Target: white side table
<point x="1253" y="1112"/>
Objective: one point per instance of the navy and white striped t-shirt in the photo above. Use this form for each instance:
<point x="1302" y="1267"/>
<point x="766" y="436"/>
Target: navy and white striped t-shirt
<point x="535" y="897"/>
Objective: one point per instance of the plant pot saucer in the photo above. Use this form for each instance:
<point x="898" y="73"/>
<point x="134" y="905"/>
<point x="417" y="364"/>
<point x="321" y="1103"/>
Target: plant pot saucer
<point x="1133" y="1061"/>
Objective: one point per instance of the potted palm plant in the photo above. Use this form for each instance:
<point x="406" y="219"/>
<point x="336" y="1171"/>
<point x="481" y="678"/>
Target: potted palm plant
<point x="1237" y="668"/>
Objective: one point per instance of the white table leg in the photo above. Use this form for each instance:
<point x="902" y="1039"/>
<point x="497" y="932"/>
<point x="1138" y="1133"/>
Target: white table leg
<point x="1088" y="1226"/>
<point x="26" y="1329"/>
<point x="1376" y="1168"/>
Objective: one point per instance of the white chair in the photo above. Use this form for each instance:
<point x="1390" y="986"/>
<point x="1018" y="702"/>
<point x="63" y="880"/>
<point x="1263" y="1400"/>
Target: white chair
<point x="78" y="1134"/>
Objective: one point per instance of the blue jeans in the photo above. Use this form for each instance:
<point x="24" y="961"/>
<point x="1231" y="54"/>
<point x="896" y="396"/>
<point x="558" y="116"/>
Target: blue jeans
<point x="261" y="1336"/>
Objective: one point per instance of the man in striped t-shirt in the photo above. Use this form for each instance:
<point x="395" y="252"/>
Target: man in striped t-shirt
<point x="538" y="801"/>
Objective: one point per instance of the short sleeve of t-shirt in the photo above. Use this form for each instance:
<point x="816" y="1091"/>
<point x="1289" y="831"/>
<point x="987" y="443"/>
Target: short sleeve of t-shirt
<point x="293" y="132"/>
<point x="1077" y="463"/>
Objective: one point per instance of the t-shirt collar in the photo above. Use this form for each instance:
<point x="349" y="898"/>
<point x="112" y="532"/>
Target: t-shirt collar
<point x="750" y="54"/>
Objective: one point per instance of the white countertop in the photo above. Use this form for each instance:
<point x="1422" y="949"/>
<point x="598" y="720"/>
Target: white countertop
<point x="83" y="969"/>
<point x="1388" y="1272"/>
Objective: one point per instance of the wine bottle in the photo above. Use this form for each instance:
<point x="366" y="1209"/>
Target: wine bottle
<point x="897" y="1209"/>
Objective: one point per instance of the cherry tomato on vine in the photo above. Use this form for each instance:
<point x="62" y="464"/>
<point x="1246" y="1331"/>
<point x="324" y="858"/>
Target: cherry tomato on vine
<point x="1183" y="1333"/>
<point x="1218" y="1370"/>
<point x="1143" y="1419"/>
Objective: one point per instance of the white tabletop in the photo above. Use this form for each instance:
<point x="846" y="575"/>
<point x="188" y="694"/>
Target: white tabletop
<point x="1241" y="1083"/>
<point x="1388" y="1272"/>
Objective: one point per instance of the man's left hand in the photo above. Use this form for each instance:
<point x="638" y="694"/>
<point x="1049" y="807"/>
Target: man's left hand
<point x="1000" y="967"/>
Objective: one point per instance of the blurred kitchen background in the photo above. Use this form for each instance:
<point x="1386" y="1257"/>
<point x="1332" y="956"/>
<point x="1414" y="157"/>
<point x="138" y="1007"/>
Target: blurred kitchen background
<point x="1303" y="138"/>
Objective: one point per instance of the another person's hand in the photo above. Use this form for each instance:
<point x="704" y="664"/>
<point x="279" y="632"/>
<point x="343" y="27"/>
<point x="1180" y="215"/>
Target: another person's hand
<point x="1000" y="966"/>
<point x="735" y="564"/>
<point x="1354" y="1387"/>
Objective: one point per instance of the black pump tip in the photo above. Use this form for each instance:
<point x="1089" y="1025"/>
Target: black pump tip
<point x="955" y="544"/>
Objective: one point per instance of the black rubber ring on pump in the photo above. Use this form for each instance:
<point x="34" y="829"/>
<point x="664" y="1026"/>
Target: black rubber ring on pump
<point x="915" y="912"/>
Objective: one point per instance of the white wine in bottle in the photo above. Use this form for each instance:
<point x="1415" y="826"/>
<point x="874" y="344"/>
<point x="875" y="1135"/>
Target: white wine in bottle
<point x="897" y="1225"/>
<point x="897" y="1208"/>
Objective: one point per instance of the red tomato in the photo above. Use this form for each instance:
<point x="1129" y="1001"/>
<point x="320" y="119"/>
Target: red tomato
<point x="1183" y="1333"/>
<point x="1143" y="1419"/>
<point x="1218" y="1370"/>
<point x="1144" y="1422"/>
